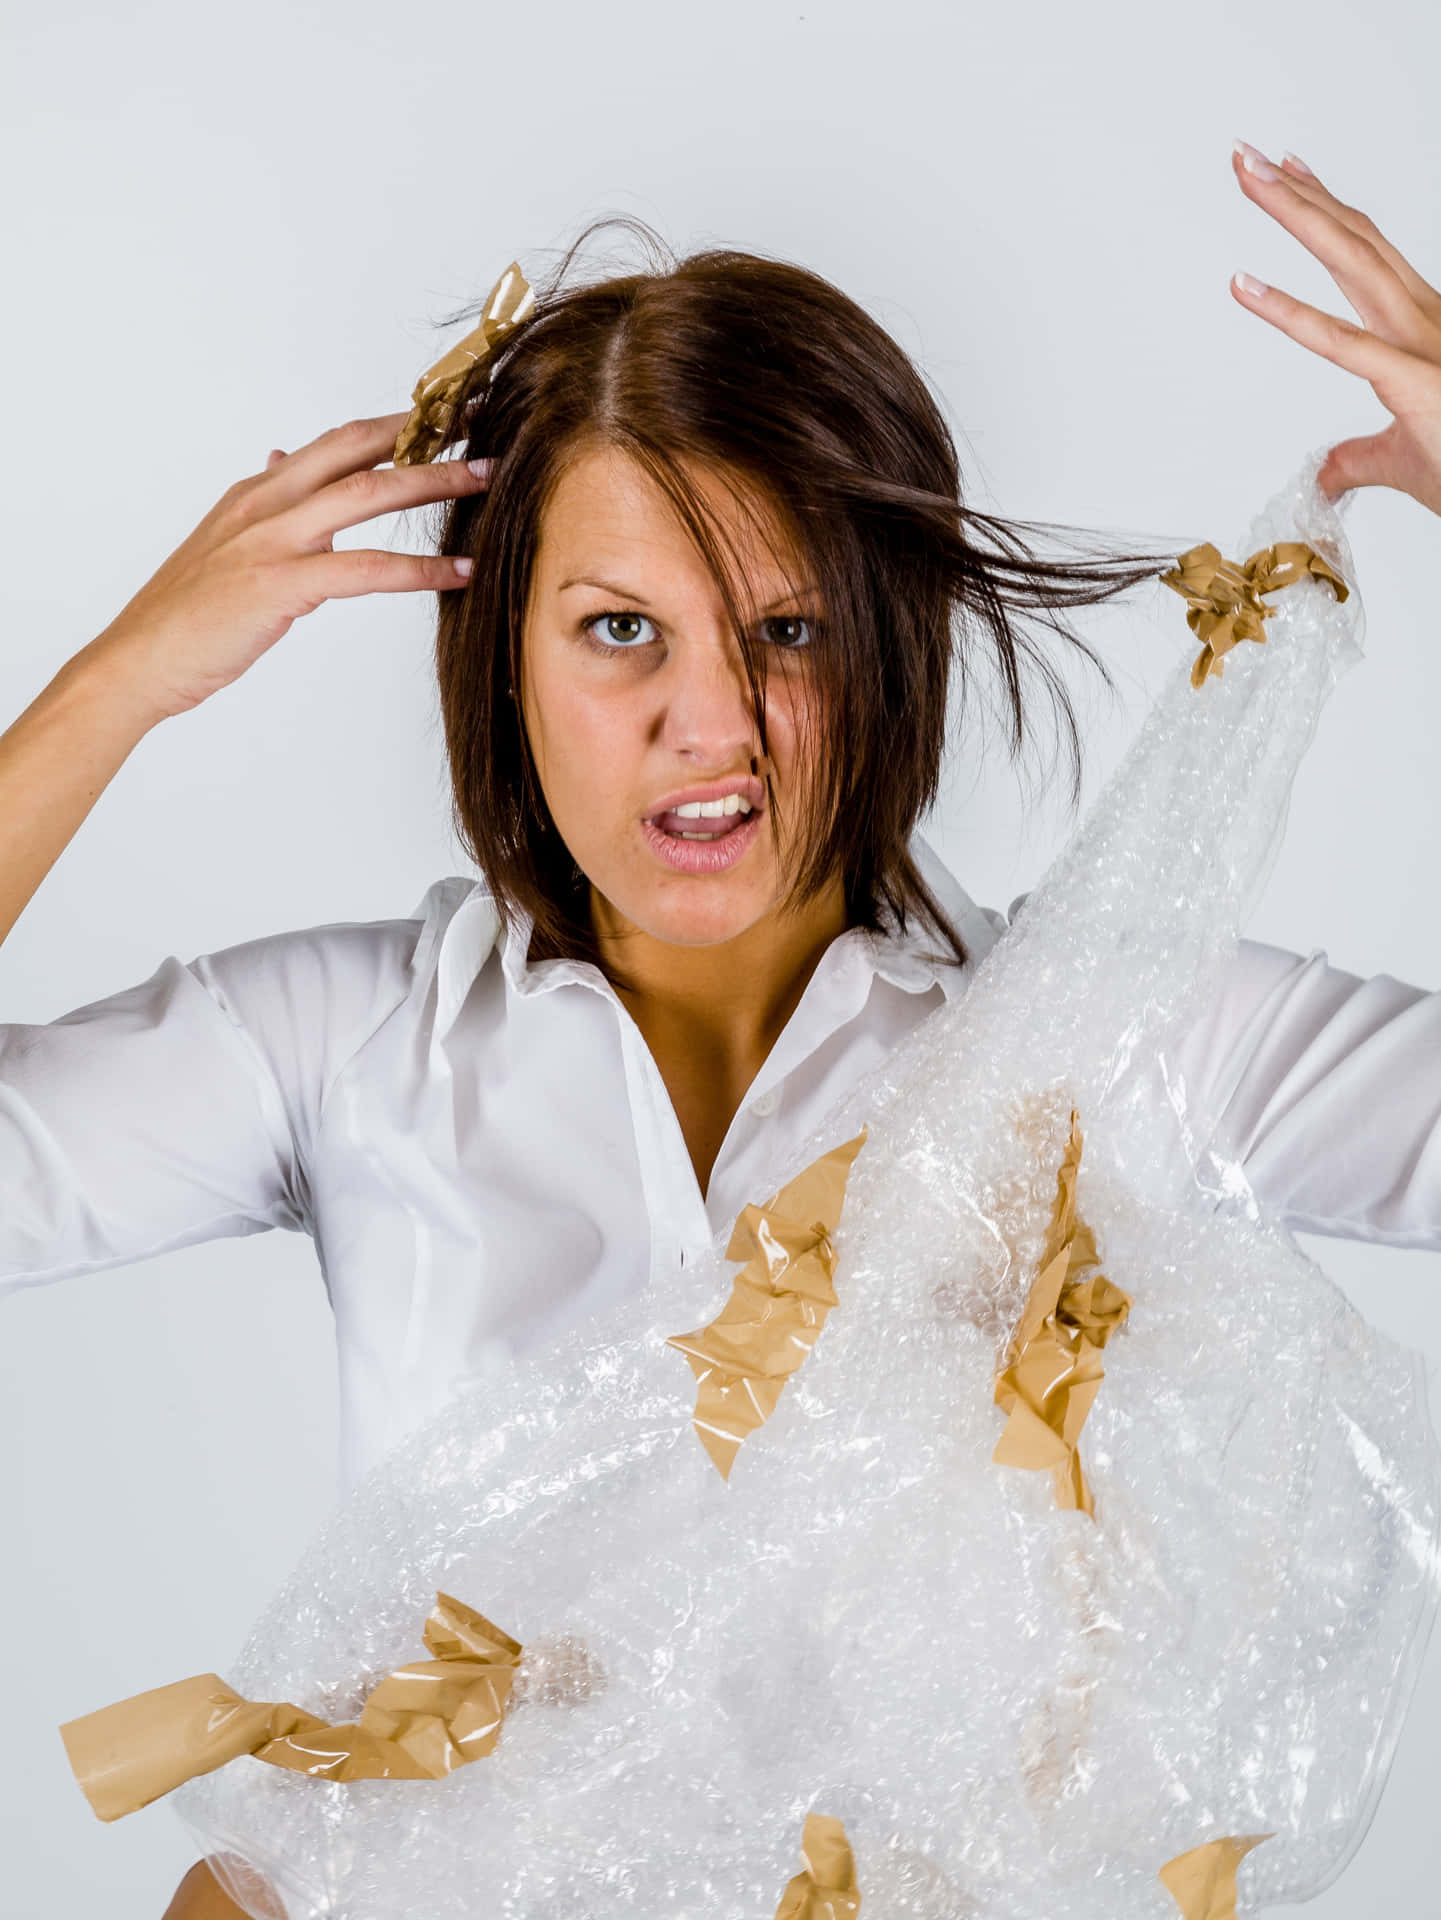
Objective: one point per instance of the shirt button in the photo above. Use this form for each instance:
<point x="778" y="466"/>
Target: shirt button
<point x="763" y="1104"/>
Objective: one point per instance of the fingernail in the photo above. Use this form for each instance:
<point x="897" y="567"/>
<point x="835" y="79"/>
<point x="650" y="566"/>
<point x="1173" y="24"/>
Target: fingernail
<point x="481" y="468"/>
<point x="464" y="567"/>
<point x="1255" y="162"/>
<point x="1248" y="283"/>
<point x="1298" y="163"/>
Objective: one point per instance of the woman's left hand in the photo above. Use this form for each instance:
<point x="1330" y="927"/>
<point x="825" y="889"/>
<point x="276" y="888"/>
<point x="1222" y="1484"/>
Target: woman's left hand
<point x="1397" y="349"/>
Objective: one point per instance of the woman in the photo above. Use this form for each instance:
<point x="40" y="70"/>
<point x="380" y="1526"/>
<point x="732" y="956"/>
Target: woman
<point x="710" y="527"/>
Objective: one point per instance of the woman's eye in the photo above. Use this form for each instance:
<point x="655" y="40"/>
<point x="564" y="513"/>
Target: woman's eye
<point x="790" y="630"/>
<point x="617" y="630"/>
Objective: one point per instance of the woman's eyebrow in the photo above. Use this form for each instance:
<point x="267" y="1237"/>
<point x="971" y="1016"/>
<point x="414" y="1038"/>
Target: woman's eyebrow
<point x="606" y="586"/>
<point x="638" y="599"/>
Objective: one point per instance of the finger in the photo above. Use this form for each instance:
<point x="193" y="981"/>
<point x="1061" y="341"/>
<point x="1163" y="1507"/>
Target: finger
<point x="1306" y="183"/>
<point x="1399" y="379"/>
<point x="1368" y="281"/>
<point x="373" y="491"/>
<point x="1366" y="462"/>
<point x="340" y="450"/>
<point x="357" y="570"/>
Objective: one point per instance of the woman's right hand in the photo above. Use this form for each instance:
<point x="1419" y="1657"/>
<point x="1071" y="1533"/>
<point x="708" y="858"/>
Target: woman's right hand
<point x="262" y="557"/>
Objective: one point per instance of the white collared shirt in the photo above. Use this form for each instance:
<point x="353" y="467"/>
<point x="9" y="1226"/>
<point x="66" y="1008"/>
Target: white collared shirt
<point x="484" y="1151"/>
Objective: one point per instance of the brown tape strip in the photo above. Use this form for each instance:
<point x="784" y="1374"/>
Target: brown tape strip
<point x="778" y="1305"/>
<point x="438" y="390"/>
<point x="419" y="1723"/>
<point x="1224" y="599"/>
<point x="1053" y="1364"/>
<point x="827" y="1889"/>
<point x="1202" y="1882"/>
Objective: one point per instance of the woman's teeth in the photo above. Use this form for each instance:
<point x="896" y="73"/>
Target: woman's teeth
<point x="711" y="809"/>
<point x="724" y="809"/>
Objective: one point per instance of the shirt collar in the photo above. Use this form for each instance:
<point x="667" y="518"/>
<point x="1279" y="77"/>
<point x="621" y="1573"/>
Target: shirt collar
<point x="915" y="960"/>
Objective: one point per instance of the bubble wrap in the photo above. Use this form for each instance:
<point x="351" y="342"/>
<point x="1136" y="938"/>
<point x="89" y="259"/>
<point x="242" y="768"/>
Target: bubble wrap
<point x="1019" y="1712"/>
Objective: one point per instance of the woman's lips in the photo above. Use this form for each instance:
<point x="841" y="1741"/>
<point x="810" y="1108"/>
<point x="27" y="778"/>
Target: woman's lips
<point x="733" y="834"/>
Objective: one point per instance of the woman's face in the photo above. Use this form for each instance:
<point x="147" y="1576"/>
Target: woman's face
<point x="635" y="701"/>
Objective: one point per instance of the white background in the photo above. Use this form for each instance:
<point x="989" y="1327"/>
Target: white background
<point x="230" y="228"/>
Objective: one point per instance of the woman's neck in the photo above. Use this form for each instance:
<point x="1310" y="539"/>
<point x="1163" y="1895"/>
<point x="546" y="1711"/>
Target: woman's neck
<point x="710" y="1015"/>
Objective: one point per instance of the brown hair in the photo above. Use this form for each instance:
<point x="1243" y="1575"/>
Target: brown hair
<point x="773" y="381"/>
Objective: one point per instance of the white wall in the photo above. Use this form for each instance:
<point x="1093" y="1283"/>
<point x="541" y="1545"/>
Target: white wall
<point x="231" y="228"/>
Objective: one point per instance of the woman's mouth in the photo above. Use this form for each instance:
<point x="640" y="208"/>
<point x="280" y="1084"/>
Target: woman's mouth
<point x="694" y="841"/>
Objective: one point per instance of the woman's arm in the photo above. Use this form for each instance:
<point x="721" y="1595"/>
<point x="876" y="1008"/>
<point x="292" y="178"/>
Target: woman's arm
<point x="175" y="1110"/>
<point x="258" y="561"/>
<point x="1325" y="1087"/>
<point x="56" y="761"/>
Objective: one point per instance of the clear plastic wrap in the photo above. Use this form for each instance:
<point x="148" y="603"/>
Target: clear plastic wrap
<point x="1019" y="1712"/>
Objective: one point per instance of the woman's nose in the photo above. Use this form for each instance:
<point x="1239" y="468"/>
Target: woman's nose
<point x="707" y="710"/>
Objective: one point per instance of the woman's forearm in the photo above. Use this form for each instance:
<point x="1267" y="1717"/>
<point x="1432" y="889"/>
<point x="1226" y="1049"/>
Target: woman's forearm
<point x="57" y="759"/>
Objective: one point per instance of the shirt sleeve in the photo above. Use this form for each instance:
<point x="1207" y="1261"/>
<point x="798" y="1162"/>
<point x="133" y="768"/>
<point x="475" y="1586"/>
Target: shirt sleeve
<point x="1325" y="1086"/>
<point x="183" y="1108"/>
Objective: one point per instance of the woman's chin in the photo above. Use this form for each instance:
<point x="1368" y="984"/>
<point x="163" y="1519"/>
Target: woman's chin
<point x="706" y="924"/>
<point x="687" y="909"/>
<point x="689" y="912"/>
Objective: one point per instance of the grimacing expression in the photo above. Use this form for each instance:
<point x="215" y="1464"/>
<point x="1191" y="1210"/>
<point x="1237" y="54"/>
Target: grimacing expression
<point x="633" y="692"/>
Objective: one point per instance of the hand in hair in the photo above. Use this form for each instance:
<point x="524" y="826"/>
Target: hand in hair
<point x="1397" y="349"/>
<point x="263" y="556"/>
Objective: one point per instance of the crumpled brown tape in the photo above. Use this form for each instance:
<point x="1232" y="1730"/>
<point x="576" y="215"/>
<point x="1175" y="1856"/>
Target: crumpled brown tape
<point x="1225" y="599"/>
<point x="437" y="392"/>
<point x="420" y="1722"/>
<point x="1203" y="1881"/>
<point x="778" y="1304"/>
<point x="827" y="1889"/>
<point x="1053" y="1361"/>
